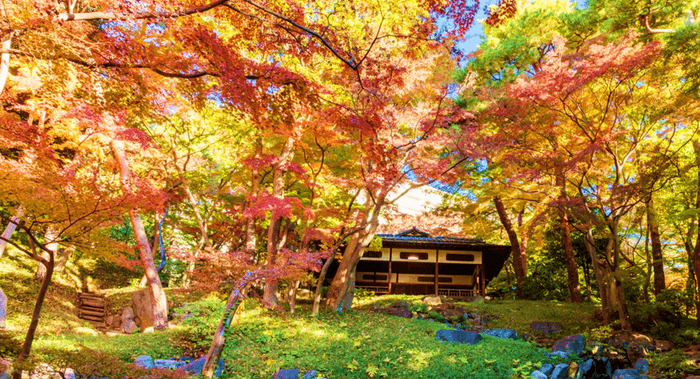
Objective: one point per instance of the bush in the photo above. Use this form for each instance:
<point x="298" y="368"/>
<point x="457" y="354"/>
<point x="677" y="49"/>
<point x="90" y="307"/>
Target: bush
<point x="198" y="318"/>
<point x="88" y="363"/>
<point x="670" y="365"/>
<point x="362" y="294"/>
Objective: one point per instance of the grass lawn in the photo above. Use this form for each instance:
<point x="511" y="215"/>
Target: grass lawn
<point x="356" y="344"/>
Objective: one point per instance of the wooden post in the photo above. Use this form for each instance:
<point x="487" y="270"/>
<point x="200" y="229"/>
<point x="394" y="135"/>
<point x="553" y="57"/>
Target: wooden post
<point x="482" y="283"/>
<point x="437" y="255"/>
<point x="390" y="250"/>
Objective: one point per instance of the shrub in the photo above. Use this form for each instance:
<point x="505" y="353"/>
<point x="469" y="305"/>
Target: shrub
<point x="670" y="365"/>
<point x="362" y="294"/>
<point x="198" y="318"/>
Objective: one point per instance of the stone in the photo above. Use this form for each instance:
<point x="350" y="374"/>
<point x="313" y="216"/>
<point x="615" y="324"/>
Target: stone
<point x="561" y="371"/>
<point x="562" y="354"/>
<point x="547" y="368"/>
<point x="628" y="373"/>
<point x="459" y="336"/>
<point x="289" y="373"/>
<point x="128" y="326"/>
<point x="69" y="374"/>
<point x="143" y="309"/>
<point x="587" y="368"/>
<point x="144" y="361"/>
<point x="662" y="345"/>
<point x="538" y="375"/>
<point x="109" y="320"/>
<point x="573" y="344"/>
<point x="5" y="365"/>
<point x="127" y="313"/>
<point x="195" y="367"/>
<point x="636" y="350"/>
<point x="432" y="300"/>
<point x="309" y="375"/>
<point x="502" y="333"/>
<point x="150" y="329"/>
<point x="545" y="327"/>
<point x="642" y="365"/>
<point x="169" y="363"/>
<point x="3" y="310"/>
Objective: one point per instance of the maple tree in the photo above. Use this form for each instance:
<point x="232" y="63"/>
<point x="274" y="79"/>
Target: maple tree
<point x="566" y="105"/>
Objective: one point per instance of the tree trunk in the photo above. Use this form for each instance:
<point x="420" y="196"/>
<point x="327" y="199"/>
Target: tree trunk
<point x="159" y="305"/>
<point x="570" y="260"/>
<point x="217" y="344"/>
<point x="9" y="229"/>
<point x="275" y="241"/>
<point x="31" y="331"/>
<point x="319" y="284"/>
<point x="62" y="257"/>
<point x="599" y="274"/>
<point x="656" y="252"/>
<point x="52" y="245"/>
<point x="292" y="295"/>
<point x="250" y="233"/>
<point x="341" y="289"/>
<point x="514" y="243"/>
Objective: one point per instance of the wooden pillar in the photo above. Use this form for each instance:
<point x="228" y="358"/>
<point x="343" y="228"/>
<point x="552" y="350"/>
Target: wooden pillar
<point x="482" y="281"/>
<point x="390" y="250"/>
<point x="437" y="255"/>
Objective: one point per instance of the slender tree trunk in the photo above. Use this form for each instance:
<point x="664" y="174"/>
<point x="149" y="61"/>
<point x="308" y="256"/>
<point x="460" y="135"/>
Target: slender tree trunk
<point x="514" y="243"/>
<point x="647" y="275"/>
<point x="292" y="295"/>
<point x="34" y="323"/>
<point x="62" y="257"/>
<point x="52" y="245"/>
<point x="599" y="274"/>
<point x="274" y="240"/>
<point x="217" y="344"/>
<point x="688" y="243"/>
<point x="250" y="234"/>
<point x="570" y="260"/>
<point x="656" y="252"/>
<point x="696" y="249"/>
<point x="617" y="281"/>
<point x="159" y="305"/>
<point x="319" y="284"/>
<point x="9" y="229"/>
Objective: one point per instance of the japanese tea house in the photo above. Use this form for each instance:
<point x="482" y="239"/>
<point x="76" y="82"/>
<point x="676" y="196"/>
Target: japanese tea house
<point x="415" y="262"/>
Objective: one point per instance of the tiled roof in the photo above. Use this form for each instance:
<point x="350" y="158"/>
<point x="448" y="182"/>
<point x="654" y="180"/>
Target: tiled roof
<point x="419" y="236"/>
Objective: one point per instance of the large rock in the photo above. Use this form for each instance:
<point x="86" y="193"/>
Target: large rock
<point x="628" y="373"/>
<point x="586" y="369"/>
<point x="538" y="375"/>
<point x="459" y="336"/>
<point x="3" y="310"/>
<point x="289" y="373"/>
<point x="642" y="365"/>
<point x="545" y="327"/>
<point x="432" y="300"/>
<point x="5" y="365"/>
<point x="128" y="326"/>
<point x="547" y="368"/>
<point x="561" y="371"/>
<point x="502" y="333"/>
<point x="636" y="350"/>
<point x="144" y="361"/>
<point x="169" y="363"/>
<point x="571" y="344"/>
<point x="142" y="303"/>
<point x="195" y="367"/>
